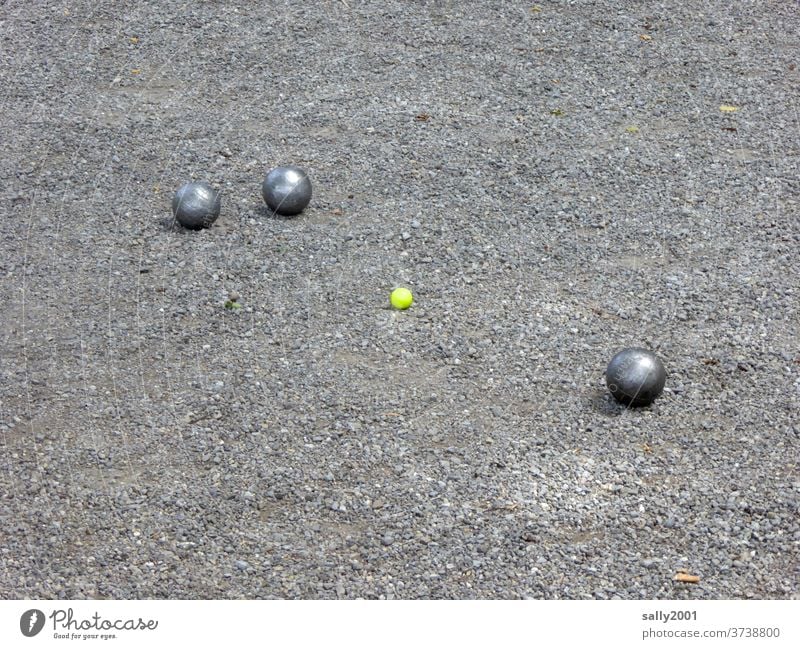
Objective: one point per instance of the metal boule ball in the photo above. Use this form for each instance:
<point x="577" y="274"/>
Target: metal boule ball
<point x="287" y="190"/>
<point x="196" y="205"/>
<point x="635" y="376"/>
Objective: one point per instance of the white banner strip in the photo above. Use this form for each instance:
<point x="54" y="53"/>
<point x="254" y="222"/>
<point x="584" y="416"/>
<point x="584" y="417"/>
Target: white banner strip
<point x="382" y="625"/>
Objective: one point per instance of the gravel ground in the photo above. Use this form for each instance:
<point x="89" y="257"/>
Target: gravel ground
<point x="554" y="182"/>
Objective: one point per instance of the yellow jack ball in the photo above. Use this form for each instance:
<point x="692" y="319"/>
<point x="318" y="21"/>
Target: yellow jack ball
<point x="401" y="298"/>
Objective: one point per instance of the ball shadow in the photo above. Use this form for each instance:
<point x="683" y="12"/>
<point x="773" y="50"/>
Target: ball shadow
<point x="603" y="403"/>
<point x="172" y="224"/>
<point x="265" y="212"/>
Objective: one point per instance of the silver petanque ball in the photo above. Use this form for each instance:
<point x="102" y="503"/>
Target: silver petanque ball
<point x="635" y="376"/>
<point x="287" y="190"/>
<point x="196" y="205"/>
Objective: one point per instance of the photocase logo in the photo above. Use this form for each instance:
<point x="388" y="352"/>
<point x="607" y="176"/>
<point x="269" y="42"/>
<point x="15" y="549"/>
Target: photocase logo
<point x="31" y="622"/>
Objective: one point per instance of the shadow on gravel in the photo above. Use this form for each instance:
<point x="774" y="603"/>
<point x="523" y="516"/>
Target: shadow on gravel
<point x="603" y="404"/>
<point x="264" y="212"/>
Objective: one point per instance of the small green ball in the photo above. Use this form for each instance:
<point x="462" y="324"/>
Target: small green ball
<point x="401" y="298"/>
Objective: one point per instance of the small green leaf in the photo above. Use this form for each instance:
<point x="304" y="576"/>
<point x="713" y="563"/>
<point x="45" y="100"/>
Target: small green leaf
<point x="230" y="304"/>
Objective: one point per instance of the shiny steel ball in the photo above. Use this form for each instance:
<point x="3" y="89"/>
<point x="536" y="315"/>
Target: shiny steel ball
<point x="196" y="205"/>
<point x="287" y="190"/>
<point x="635" y="376"/>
